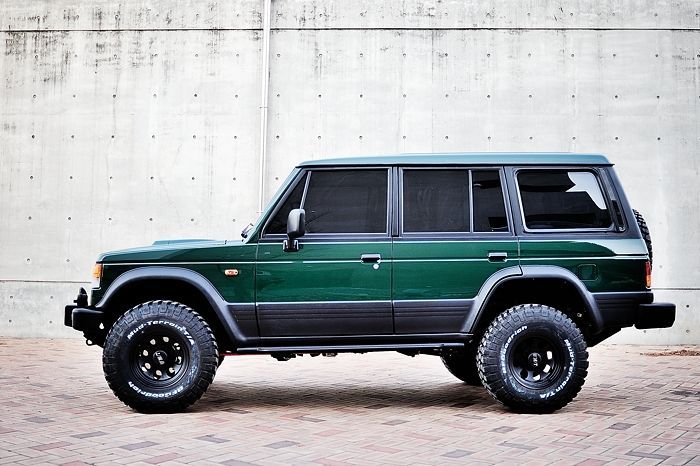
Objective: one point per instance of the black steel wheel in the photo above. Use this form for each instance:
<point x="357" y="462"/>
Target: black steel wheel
<point x="462" y="364"/>
<point x="160" y="356"/>
<point x="533" y="359"/>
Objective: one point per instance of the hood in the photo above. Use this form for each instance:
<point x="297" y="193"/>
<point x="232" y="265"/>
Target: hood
<point x="165" y="250"/>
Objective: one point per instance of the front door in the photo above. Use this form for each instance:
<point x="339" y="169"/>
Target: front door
<point x="339" y="281"/>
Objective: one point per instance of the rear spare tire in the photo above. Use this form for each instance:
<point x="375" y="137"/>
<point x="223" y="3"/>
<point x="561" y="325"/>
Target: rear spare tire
<point x="645" y="233"/>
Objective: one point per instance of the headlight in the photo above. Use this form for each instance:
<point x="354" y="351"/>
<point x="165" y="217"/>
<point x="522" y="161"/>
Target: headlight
<point x="96" y="275"/>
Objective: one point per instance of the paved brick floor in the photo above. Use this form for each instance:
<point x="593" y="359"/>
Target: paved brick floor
<point x="56" y="408"/>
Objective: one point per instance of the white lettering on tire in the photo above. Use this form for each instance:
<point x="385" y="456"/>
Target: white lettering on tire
<point x="504" y="350"/>
<point x="569" y="372"/>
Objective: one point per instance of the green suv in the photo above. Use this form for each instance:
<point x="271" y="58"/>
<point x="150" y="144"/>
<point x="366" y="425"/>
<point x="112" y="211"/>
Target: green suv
<point x="507" y="266"/>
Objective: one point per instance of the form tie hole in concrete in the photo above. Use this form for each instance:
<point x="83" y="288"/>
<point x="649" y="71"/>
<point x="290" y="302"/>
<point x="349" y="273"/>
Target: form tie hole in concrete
<point x="488" y="96"/>
<point x="572" y="55"/>
<point x="529" y="96"/>
<point x="616" y="96"/>
<point x="234" y="178"/>
<point x="616" y="138"/>
<point x="31" y="177"/>
<point x="29" y="218"/>
<point x="72" y="136"/>
<point x="488" y="137"/>
<point x="32" y="136"/>
<point x="447" y="137"/>
<point x="319" y="137"/>
<point x="194" y="136"/>
<point x="573" y="96"/>
<point x="193" y="178"/>
<point x="360" y="137"/>
<point x="154" y="96"/>
<point x="573" y="138"/>
<point x="236" y="96"/>
<point x="113" y="136"/>
<point x="658" y="139"/>
<point x="531" y="138"/>
<point x="153" y="136"/>
<point x="34" y="96"/>
<point x="150" y="219"/>
<point x="447" y="95"/>
<point x="404" y="96"/>
<point x="404" y="136"/>
<point x="151" y="177"/>
<point x="191" y="220"/>
<point x="235" y="137"/>
<point x="114" y="96"/>
<point x="195" y="95"/>
<point x="70" y="177"/>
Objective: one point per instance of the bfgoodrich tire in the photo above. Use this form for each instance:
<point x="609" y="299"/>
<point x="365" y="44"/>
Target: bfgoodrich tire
<point x="160" y="357"/>
<point x="533" y="359"/>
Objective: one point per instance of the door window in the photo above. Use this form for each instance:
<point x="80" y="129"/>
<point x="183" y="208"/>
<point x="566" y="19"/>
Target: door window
<point x="562" y="199"/>
<point x="489" y="207"/>
<point x="435" y="201"/>
<point x="346" y="201"/>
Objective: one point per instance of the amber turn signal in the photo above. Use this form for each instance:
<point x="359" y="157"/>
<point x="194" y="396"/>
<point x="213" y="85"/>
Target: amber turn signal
<point x="96" y="275"/>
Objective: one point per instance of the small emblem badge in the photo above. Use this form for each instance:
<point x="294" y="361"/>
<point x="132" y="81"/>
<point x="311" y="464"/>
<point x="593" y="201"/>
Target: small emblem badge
<point x="231" y="272"/>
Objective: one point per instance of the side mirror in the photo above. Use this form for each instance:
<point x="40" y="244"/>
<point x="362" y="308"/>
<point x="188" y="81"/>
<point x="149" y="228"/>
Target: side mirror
<point x="296" y="227"/>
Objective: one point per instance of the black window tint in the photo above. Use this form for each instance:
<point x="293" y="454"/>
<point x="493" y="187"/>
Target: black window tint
<point x="558" y="199"/>
<point x="489" y="209"/>
<point x="279" y="223"/>
<point x="346" y="201"/>
<point x="435" y="201"/>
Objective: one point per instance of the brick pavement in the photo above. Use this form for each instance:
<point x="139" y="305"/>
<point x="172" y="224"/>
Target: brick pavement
<point x="55" y="408"/>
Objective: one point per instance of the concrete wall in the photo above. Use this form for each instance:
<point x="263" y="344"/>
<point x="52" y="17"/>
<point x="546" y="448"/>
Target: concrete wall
<point x="123" y="123"/>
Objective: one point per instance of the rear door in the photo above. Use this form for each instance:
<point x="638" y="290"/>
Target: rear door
<point x="454" y="232"/>
<point x="339" y="282"/>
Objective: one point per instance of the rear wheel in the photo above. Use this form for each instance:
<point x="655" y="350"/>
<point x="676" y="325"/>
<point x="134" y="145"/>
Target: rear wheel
<point x="533" y="359"/>
<point x="462" y="364"/>
<point x="160" y="357"/>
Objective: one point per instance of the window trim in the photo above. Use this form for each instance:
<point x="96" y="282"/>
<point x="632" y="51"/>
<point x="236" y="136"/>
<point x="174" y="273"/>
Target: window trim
<point x="456" y="234"/>
<point x="596" y="174"/>
<point x="331" y="236"/>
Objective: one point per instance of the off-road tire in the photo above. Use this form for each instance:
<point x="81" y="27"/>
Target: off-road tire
<point x="518" y="348"/>
<point x="645" y="233"/>
<point x="462" y="364"/>
<point x="160" y="337"/>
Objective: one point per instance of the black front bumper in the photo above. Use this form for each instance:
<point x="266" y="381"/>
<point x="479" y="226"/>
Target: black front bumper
<point x="82" y="317"/>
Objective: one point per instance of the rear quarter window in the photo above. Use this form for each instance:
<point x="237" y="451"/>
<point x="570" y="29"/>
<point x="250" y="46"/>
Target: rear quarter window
<point x="562" y="200"/>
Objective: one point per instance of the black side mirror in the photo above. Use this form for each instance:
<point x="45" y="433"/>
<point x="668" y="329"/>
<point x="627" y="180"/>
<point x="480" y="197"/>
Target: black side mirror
<point x="296" y="227"/>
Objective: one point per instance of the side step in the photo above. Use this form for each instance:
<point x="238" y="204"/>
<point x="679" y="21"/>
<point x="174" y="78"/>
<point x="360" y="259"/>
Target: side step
<point x="347" y="348"/>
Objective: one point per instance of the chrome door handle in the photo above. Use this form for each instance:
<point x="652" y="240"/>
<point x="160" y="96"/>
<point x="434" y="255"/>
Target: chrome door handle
<point x="369" y="258"/>
<point x="498" y="256"/>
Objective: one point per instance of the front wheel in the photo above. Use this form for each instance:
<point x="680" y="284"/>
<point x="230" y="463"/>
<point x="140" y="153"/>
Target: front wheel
<point x="160" y="357"/>
<point x="533" y="359"/>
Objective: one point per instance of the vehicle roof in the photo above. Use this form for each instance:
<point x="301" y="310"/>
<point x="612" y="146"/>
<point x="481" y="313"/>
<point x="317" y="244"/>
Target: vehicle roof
<point x="466" y="158"/>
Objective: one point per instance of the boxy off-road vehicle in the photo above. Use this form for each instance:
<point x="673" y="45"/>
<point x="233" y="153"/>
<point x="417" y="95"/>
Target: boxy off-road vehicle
<point x="507" y="266"/>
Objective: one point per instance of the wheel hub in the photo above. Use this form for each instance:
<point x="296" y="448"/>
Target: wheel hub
<point x="160" y="357"/>
<point x="534" y="360"/>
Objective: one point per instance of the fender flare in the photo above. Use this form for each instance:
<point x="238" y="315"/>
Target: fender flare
<point x="204" y="286"/>
<point x="532" y="271"/>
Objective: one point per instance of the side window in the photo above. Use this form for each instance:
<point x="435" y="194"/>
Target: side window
<point x="435" y="201"/>
<point x="489" y="208"/>
<point x="347" y="201"/>
<point x="278" y="225"/>
<point x="562" y="199"/>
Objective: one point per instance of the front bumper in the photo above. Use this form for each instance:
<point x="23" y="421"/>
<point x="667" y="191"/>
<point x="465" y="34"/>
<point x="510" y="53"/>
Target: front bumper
<point x="82" y="317"/>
